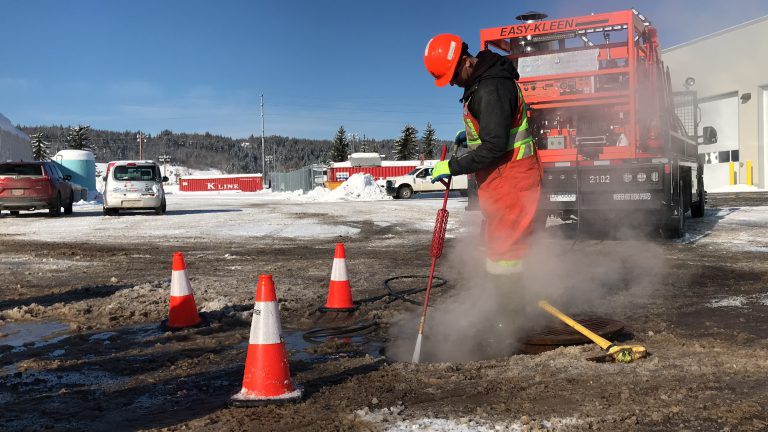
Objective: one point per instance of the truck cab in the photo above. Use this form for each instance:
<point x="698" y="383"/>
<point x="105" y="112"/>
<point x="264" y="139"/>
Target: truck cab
<point x="419" y="180"/>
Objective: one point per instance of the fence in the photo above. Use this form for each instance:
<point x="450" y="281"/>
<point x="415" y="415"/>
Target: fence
<point x="305" y="179"/>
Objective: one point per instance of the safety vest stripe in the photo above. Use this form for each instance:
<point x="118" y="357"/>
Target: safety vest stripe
<point x="265" y="327"/>
<point x="519" y="136"/>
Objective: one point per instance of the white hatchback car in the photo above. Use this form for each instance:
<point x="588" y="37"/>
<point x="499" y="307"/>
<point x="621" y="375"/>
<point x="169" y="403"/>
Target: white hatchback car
<point x="133" y="185"/>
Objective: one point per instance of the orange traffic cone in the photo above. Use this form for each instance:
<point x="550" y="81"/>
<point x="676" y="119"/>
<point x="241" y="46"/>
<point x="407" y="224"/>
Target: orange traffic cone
<point x="339" y="291"/>
<point x="183" y="311"/>
<point x="267" y="379"/>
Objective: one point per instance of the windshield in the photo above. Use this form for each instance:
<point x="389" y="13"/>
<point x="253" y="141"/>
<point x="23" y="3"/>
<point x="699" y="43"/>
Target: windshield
<point x="137" y="173"/>
<point x="21" y="170"/>
<point x="414" y="171"/>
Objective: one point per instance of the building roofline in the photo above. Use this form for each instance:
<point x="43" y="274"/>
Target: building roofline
<point x="717" y="34"/>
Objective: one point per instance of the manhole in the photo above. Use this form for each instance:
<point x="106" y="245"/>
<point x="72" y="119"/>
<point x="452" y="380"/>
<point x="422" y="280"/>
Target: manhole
<point x="561" y="335"/>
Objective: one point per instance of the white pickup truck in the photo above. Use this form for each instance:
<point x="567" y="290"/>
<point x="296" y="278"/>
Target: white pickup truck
<point x="420" y="180"/>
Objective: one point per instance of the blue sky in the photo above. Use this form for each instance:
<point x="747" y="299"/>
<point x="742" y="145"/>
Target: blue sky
<point x="196" y="66"/>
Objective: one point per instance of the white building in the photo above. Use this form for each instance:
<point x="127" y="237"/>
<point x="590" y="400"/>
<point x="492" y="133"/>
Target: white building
<point x="14" y="144"/>
<point x="730" y="69"/>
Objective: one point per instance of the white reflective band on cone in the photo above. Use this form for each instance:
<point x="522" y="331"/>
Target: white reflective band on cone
<point x="265" y="325"/>
<point x="180" y="284"/>
<point x="339" y="270"/>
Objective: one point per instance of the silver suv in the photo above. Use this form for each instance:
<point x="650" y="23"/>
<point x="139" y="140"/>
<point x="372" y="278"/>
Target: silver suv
<point x="133" y="185"/>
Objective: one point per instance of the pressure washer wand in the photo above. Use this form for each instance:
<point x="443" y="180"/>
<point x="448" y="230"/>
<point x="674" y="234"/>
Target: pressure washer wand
<point x="435" y="251"/>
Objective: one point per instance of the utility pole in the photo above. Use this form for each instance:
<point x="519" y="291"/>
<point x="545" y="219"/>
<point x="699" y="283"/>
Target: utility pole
<point x="164" y="159"/>
<point x="262" y="136"/>
<point x="141" y="138"/>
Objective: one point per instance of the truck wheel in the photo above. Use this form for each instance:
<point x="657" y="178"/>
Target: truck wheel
<point x="674" y="226"/>
<point x="68" y="206"/>
<point x="405" y="192"/>
<point x="697" y="208"/>
<point x="55" y="209"/>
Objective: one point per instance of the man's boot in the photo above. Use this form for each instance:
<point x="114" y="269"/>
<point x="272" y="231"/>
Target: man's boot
<point x="509" y="314"/>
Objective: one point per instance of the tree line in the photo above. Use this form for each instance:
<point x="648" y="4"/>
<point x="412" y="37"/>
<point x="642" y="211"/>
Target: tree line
<point x="230" y="155"/>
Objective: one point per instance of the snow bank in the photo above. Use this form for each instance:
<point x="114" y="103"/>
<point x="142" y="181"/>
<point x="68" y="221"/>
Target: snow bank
<point x="358" y="187"/>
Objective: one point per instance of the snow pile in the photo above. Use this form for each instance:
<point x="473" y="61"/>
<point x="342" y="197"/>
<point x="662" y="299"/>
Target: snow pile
<point x="358" y="187"/>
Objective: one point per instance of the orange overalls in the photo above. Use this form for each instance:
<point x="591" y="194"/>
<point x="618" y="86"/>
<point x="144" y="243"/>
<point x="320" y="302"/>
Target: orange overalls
<point x="508" y="193"/>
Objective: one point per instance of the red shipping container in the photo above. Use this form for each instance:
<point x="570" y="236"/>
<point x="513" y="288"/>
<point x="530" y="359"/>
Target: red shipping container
<point x="235" y="182"/>
<point x="378" y="172"/>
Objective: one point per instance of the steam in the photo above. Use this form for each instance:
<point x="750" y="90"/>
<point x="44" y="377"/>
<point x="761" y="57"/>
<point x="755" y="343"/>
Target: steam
<point x="475" y="320"/>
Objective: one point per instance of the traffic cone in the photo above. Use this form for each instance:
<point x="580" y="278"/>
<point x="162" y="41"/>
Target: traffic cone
<point x="339" y="290"/>
<point x="183" y="311"/>
<point x="267" y="379"/>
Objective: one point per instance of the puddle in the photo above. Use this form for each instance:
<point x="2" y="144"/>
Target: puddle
<point x="319" y="349"/>
<point x="18" y="334"/>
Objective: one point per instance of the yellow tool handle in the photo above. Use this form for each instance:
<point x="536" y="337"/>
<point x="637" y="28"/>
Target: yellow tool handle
<point x="604" y="343"/>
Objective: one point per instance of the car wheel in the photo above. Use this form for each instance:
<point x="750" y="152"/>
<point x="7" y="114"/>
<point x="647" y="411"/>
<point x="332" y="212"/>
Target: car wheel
<point x="14" y="212"/>
<point x="68" y="207"/>
<point x="55" y="209"/>
<point x="405" y="192"/>
<point x="163" y="205"/>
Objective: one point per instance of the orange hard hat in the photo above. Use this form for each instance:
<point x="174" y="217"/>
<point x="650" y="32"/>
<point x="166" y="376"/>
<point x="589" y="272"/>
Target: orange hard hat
<point x="441" y="57"/>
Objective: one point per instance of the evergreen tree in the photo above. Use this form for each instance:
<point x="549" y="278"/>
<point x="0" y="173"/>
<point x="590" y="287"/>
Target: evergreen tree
<point x="40" y="147"/>
<point x="406" y="145"/>
<point x="428" y="143"/>
<point x="340" y="146"/>
<point x="78" y="138"/>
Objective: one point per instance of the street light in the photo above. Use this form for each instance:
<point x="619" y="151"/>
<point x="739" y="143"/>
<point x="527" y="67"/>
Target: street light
<point x="164" y="159"/>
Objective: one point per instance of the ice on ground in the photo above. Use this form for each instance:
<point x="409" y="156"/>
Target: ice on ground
<point x="740" y="301"/>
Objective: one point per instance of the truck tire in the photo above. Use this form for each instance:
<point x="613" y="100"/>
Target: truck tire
<point x="674" y="226"/>
<point x="68" y="206"/>
<point x="405" y="192"/>
<point x="55" y="209"/>
<point x="697" y="208"/>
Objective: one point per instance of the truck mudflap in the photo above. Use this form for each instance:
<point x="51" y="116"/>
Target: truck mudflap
<point x="636" y="186"/>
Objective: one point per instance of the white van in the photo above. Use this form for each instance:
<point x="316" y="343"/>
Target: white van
<point x="133" y="185"/>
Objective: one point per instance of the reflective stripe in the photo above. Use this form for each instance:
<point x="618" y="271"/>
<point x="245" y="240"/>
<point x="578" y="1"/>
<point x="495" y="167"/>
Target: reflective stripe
<point x="339" y="270"/>
<point x="180" y="285"/>
<point x="265" y="325"/>
<point x="519" y="136"/>
<point x="503" y="267"/>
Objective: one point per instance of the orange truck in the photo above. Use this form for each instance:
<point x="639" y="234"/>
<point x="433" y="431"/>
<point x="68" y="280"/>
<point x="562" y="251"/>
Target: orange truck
<point x="614" y="140"/>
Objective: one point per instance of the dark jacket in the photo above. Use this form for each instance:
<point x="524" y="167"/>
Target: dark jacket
<point x="492" y="95"/>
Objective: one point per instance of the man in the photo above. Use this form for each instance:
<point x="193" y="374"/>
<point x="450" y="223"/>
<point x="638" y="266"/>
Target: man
<point x="501" y="151"/>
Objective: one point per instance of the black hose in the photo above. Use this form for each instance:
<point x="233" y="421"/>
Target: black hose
<point x="362" y="328"/>
<point x="359" y="329"/>
<point x="401" y="294"/>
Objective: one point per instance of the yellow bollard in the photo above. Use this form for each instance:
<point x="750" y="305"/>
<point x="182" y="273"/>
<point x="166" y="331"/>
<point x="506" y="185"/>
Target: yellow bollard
<point x="749" y="172"/>
<point x="732" y="173"/>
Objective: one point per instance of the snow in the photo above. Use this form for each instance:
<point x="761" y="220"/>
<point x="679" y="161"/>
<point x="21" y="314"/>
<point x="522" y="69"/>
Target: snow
<point x="740" y="301"/>
<point x="734" y="188"/>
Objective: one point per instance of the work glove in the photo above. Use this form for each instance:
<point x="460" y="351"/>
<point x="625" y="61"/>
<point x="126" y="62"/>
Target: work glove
<point x="461" y="138"/>
<point x="441" y="171"/>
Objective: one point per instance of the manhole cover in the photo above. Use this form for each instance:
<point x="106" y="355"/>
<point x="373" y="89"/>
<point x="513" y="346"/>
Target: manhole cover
<point x="556" y="336"/>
